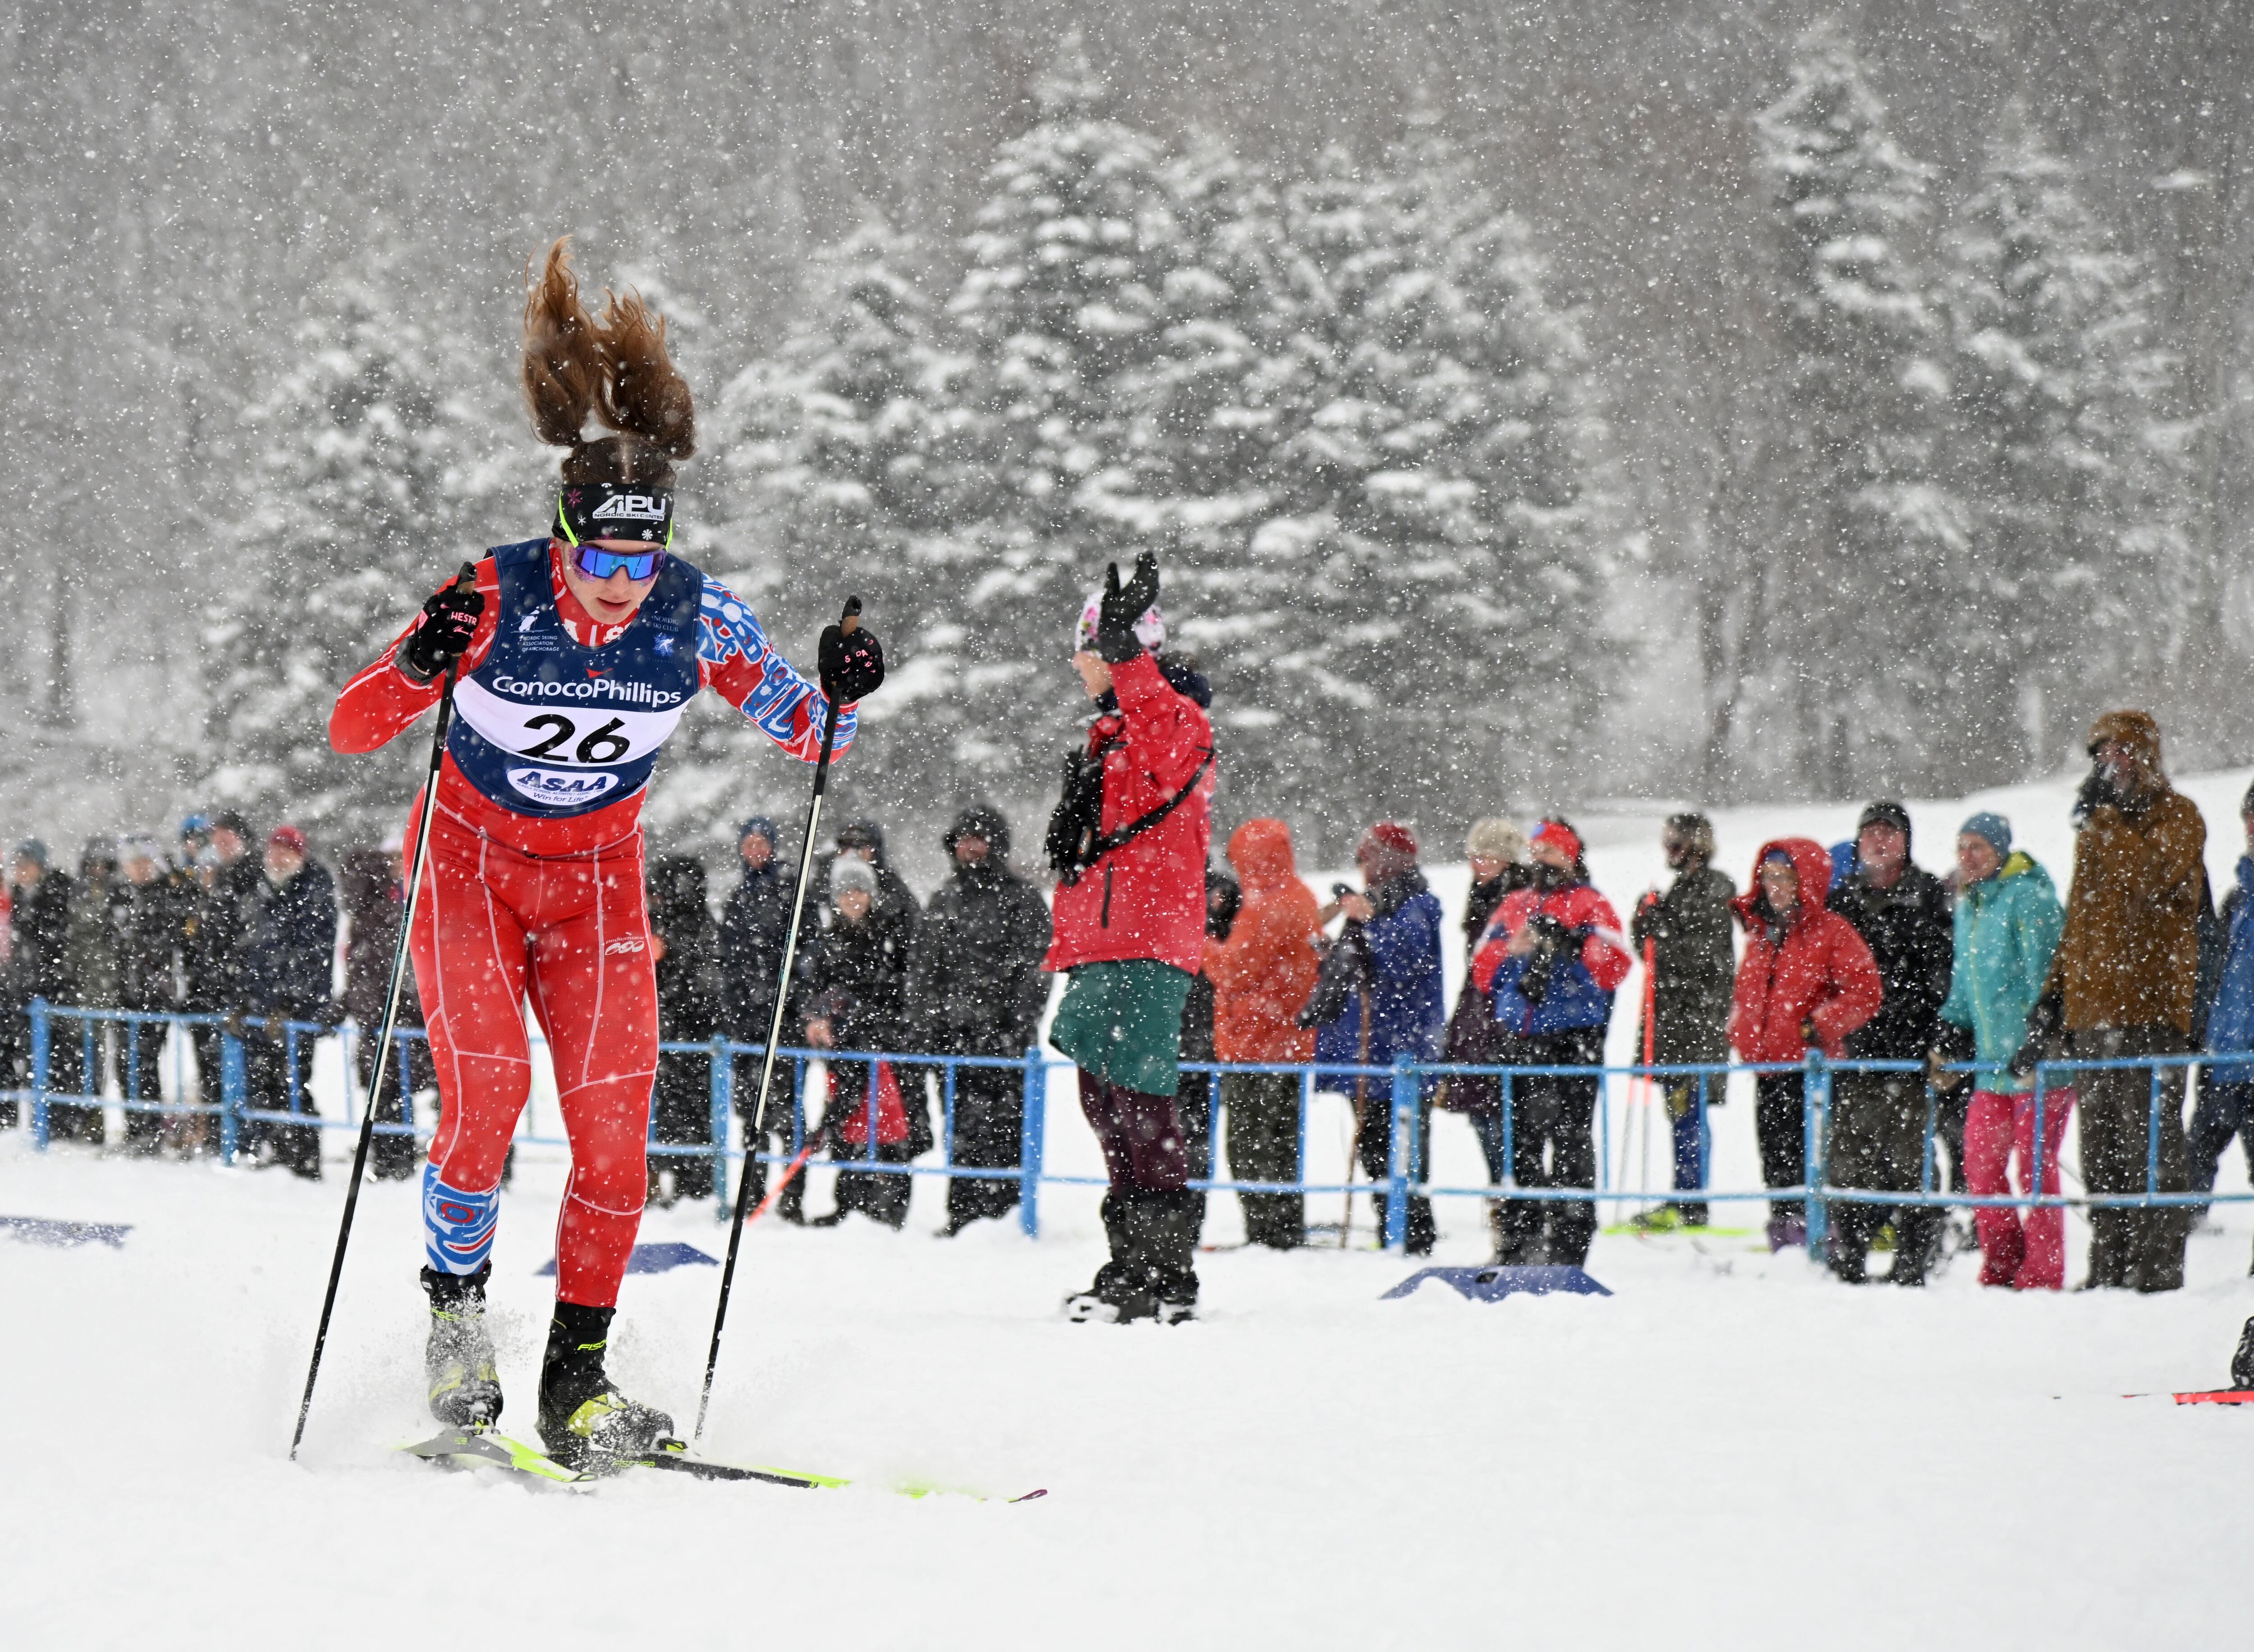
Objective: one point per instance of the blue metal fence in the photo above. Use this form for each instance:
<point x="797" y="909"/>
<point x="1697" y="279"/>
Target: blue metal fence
<point x="1406" y="1091"/>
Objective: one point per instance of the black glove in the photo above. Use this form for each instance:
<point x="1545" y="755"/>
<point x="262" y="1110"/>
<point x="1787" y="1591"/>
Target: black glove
<point x="450" y="619"/>
<point x="851" y="661"/>
<point x="1115" y="642"/>
<point x="2045" y="1022"/>
<point x="2096" y="792"/>
<point x="1552" y="938"/>
<point x="1553" y="933"/>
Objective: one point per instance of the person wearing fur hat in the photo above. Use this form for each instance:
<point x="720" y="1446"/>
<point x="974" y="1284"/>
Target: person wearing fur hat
<point x="1686" y="932"/>
<point x="1130" y="840"/>
<point x="975" y="988"/>
<point x="2123" y="982"/>
<point x="1497" y="851"/>
<point x="1400" y="921"/>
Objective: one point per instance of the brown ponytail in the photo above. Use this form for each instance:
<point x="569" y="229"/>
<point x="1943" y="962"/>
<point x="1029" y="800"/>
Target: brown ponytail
<point x="615" y="368"/>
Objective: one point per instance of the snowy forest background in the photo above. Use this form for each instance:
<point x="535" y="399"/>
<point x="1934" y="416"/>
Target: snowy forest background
<point x="1529" y="404"/>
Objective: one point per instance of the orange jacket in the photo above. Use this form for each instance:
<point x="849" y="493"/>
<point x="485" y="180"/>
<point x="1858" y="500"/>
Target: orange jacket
<point x="1262" y="974"/>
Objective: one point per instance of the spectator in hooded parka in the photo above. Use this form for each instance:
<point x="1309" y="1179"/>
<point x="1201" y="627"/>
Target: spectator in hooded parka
<point x="896" y="906"/>
<point x="1686" y="934"/>
<point x="1878" y="1119"/>
<point x="1397" y="919"/>
<point x="853" y="990"/>
<point x="2123" y="984"/>
<point x="2225" y="1107"/>
<point x="372" y="887"/>
<point x="975" y="988"/>
<point x="145" y="921"/>
<point x="288" y="954"/>
<point x="228" y="878"/>
<point x="90" y="947"/>
<point x="39" y="966"/>
<point x="1553" y="958"/>
<point x="1805" y="982"/>
<point x="687" y="966"/>
<point x="754" y="928"/>
<point x="2007" y="927"/>
<point x="1262" y="973"/>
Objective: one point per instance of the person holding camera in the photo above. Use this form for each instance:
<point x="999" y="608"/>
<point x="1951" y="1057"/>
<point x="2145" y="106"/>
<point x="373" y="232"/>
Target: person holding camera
<point x="1553" y="956"/>
<point x="1384" y="1000"/>
<point x="1130" y="840"/>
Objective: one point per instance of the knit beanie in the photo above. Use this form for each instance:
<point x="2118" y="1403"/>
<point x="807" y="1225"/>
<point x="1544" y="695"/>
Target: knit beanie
<point x="1993" y="827"/>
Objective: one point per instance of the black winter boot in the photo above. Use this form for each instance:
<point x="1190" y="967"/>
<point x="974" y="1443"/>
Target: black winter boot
<point x="1919" y="1231"/>
<point x="585" y="1422"/>
<point x="1169" y="1253"/>
<point x="2242" y="1363"/>
<point x="1121" y="1291"/>
<point x="458" y="1359"/>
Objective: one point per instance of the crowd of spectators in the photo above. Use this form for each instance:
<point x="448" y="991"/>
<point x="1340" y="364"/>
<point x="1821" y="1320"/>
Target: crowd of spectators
<point x="1856" y="951"/>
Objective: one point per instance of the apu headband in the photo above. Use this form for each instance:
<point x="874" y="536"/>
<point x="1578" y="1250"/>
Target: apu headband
<point x="615" y="510"/>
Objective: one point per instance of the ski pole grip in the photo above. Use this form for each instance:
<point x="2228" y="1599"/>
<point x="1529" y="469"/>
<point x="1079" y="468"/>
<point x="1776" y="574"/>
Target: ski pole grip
<point x="468" y="579"/>
<point x="850" y="621"/>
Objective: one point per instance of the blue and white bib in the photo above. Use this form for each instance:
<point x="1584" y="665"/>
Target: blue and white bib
<point x="547" y="727"/>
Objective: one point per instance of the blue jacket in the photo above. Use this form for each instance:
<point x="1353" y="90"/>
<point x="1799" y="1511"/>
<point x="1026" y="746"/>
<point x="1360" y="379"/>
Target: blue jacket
<point x="2007" y="927"/>
<point x="2230" y="1024"/>
<point x="1408" y="1004"/>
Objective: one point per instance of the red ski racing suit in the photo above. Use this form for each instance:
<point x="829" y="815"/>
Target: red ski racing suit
<point x="534" y="885"/>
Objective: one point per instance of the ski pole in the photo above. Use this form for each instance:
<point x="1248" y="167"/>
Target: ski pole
<point x="849" y="623"/>
<point x="467" y="579"/>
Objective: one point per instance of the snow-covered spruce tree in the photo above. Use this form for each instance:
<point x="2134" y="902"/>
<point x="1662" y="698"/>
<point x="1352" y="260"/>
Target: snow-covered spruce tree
<point x="376" y="479"/>
<point x="856" y="467"/>
<point x="1428" y="503"/>
<point x="1203" y="417"/>
<point x="2062" y="441"/>
<point x="1063" y="302"/>
<point x="1871" y="542"/>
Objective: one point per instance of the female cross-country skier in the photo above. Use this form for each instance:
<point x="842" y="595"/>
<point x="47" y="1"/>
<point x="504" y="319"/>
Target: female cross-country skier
<point x="578" y="652"/>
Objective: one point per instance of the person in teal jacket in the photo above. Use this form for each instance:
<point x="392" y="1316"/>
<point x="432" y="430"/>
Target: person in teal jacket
<point x="2008" y="920"/>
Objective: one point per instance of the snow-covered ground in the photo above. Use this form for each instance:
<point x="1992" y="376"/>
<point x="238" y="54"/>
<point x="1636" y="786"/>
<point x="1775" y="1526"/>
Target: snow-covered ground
<point x="1729" y="1450"/>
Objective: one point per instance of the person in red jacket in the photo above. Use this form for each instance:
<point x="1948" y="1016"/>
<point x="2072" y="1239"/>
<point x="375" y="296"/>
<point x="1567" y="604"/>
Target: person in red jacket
<point x="576" y="653"/>
<point x="1552" y="956"/>
<point x="1129" y="840"/>
<point x="1807" y="980"/>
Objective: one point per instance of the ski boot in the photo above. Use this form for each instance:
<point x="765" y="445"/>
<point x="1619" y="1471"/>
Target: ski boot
<point x="459" y="1357"/>
<point x="2242" y="1363"/>
<point x="585" y="1422"/>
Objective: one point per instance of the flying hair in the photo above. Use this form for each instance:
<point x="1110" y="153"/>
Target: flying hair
<point x="614" y="368"/>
